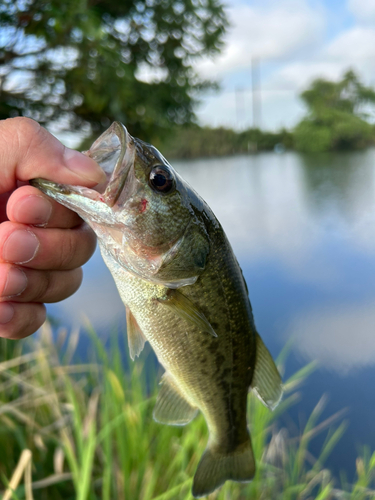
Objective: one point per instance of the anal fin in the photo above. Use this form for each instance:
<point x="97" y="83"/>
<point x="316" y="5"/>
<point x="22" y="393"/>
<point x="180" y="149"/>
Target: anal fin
<point x="266" y="382"/>
<point x="171" y="407"/>
<point x="136" y="339"/>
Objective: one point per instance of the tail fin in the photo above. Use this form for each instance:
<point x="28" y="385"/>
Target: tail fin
<point x="215" y="468"/>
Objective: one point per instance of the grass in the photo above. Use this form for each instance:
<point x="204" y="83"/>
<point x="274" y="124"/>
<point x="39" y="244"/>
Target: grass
<point x="84" y="431"/>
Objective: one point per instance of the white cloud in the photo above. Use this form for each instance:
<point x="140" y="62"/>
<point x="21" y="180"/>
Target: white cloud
<point x="364" y="10"/>
<point x="356" y="45"/>
<point x="266" y="30"/>
<point x="340" y="338"/>
<point x="352" y="49"/>
<point x="297" y="75"/>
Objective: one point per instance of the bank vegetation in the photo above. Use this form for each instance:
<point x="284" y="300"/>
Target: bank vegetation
<point x="83" y="430"/>
<point x="339" y="116"/>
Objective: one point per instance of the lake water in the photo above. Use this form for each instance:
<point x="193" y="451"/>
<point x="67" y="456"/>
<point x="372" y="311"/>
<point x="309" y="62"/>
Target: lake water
<point x="303" y="231"/>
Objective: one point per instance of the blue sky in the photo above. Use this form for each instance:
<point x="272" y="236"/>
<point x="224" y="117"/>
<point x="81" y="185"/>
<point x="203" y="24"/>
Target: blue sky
<point x="294" y="41"/>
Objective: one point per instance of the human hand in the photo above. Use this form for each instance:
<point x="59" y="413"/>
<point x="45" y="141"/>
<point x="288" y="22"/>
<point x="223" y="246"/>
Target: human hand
<point x="42" y="244"/>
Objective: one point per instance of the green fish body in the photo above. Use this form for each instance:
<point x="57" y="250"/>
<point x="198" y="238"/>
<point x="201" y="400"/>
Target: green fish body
<point x="184" y="293"/>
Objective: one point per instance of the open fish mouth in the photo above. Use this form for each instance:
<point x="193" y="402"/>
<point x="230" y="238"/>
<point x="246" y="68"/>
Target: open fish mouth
<point x="111" y="208"/>
<point x="114" y="151"/>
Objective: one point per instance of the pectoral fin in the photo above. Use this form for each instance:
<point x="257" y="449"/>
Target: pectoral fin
<point x="136" y="339"/>
<point x="266" y="381"/>
<point x="171" y="407"/>
<point x="185" y="308"/>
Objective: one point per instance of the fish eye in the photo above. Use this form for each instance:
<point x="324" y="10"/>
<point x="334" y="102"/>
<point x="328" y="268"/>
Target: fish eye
<point x="161" y="179"/>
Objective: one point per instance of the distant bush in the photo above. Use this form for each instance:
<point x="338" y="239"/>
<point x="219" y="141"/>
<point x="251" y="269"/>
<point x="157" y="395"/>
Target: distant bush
<point x="309" y="137"/>
<point x="336" y="118"/>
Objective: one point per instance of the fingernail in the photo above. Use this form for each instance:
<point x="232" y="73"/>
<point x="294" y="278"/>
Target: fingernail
<point x="33" y="209"/>
<point x="20" y="247"/>
<point x="83" y="166"/>
<point x="16" y="282"/>
<point x="6" y="312"/>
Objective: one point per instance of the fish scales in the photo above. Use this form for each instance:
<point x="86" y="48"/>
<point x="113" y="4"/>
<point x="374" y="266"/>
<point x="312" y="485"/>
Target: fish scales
<point x="220" y="391"/>
<point x="184" y="293"/>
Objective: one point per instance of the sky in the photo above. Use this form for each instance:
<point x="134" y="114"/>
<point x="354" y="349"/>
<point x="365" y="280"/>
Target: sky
<point x="289" y="43"/>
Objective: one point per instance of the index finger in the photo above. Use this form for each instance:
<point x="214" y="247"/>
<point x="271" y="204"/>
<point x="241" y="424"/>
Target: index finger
<point x="27" y="151"/>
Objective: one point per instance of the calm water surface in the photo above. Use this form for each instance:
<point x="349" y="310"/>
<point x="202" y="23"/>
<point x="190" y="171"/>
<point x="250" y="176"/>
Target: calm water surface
<point x="303" y="229"/>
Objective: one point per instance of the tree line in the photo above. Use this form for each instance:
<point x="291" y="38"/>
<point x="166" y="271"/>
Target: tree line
<point x="195" y="141"/>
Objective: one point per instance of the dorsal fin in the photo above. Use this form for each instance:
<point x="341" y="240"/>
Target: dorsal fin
<point x="136" y="339"/>
<point x="266" y="382"/>
<point x="171" y="407"/>
<point x="185" y="308"/>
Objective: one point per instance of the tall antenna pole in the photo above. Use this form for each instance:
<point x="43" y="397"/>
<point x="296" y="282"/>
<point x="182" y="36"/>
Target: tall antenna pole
<point x="255" y="87"/>
<point x="240" y="106"/>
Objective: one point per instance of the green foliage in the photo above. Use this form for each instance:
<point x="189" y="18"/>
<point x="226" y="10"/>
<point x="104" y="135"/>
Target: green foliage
<point x="336" y="116"/>
<point x="195" y="142"/>
<point x="89" y="432"/>
<point x="311" y="137"/>
<point x="78" y="62"/>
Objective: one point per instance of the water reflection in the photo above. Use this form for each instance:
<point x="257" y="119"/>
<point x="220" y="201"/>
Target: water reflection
<point x="259" y="200"/>
<point x="302" y="228"/>
<point x="340" y="338"/>
<point x="97" y="300"/>
<point x="310" y="220"/>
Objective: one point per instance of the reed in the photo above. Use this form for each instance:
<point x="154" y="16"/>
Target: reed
<point x="84" y="431"/>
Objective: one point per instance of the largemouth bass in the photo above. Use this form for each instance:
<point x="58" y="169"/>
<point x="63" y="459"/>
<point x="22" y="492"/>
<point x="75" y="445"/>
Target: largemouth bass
<point x="184" y="293"/>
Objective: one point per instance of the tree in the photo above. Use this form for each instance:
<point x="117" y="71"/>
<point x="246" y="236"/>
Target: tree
<point x="337" y="117"/>
<point x="78" y="64"/>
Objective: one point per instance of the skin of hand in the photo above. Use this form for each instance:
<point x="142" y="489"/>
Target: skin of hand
<point x="42" y="244"/>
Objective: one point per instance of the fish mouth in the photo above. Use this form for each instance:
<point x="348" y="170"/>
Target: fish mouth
<point x="114" y="151"/>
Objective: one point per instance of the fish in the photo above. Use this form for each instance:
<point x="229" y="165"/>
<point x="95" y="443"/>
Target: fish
<point x="184" y="293"/>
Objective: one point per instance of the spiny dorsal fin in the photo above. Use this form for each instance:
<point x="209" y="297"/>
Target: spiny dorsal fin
<point x="185" y="308"/>
<point x="266" y="382"/>
<point x="171" y="407"/>
<point x="136" y="339"/>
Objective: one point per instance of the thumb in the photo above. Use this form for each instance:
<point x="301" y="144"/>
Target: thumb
<point x="27" y="151"/>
